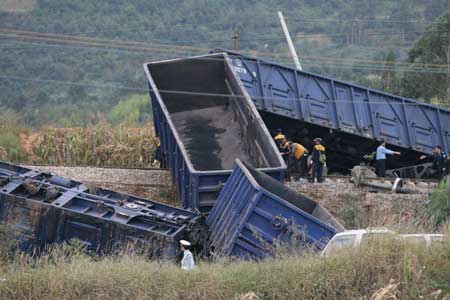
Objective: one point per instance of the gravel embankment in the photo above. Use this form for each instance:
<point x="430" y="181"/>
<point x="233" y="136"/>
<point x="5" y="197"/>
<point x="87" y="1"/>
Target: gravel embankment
<point x="362" y="207"/>
<point x="151" y="184"/>
<point x="354" y="207"/>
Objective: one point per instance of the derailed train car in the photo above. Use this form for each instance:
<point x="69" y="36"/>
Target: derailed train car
<point x="254" y="212"/>
<point x="205" y="120"/>
<point x="349" y="117"/>
<point x="47" y="209"/>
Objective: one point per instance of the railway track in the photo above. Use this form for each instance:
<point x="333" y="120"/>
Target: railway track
<point x="349" y="178"/>
<point x="160" y="170"/>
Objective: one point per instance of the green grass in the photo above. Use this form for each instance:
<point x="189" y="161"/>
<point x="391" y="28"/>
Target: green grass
<point x="440" y="202"/>
<point x="10" y="142"/>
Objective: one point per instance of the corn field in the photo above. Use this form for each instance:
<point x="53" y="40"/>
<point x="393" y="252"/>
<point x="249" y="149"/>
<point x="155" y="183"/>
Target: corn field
<point x="101" y="145"/>
<point x="3" y="153"/>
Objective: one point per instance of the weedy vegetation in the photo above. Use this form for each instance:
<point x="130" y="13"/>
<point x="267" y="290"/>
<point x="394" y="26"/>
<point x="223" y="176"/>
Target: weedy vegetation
<point x="10" y="143"/>
<point x="65" y="273"/>
<point x="440" y="202"/>
<point x="101" y="145"/>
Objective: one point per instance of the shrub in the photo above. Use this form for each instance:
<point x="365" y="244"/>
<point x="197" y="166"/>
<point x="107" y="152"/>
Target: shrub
<point x="439" y="206"/>
<point x="132" y="111"/>
<point x="10" y="142"/>
<point x="351" y="212"/>
<point x="8" y="242"/>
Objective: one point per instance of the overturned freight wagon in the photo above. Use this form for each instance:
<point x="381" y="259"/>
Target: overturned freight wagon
<point x="205" y="120"/>
<point x="254" y="212"/>
<point x="349" y="117"/>
<point x="46" y="209"/>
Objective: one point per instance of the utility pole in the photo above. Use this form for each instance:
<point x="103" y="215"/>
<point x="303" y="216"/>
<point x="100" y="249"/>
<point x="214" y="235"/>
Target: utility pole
<point x="236" y="40"/>
<point x="289" y="41"/>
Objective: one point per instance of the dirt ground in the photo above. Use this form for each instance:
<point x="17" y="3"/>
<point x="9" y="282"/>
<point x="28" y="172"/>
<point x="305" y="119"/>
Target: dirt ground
<point x="151" y="184"/>
<point x="363" y="207"/>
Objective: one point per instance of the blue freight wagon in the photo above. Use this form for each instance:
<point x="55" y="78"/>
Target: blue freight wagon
<point x="254" y="211"/>
<point x="47" y="209"/>
<point x="205" y="119"/>
<point x="349" y="117"/>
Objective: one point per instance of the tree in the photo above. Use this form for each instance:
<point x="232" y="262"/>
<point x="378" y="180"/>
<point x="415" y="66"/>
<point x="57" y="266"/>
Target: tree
<point x="389" y="77"/>
<point x="433" y="48"/>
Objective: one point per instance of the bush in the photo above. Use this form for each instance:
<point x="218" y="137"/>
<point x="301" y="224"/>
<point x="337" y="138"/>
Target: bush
<point x="10" y="142"/>
<point x="440" y="202"/>
<point x="135" y="110"/>
<point x="13" y="146"/>
<point x="8" y="242"/>
<point x="351" y="211"/>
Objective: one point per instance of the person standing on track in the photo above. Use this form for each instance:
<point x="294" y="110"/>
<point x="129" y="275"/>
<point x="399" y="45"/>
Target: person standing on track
<point x="447" y="165"/>
<point x="318" y="161"/>
<point x="380" y="164"/>
<point x="439" y="162"/>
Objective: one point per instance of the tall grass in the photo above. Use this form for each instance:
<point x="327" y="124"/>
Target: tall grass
<point x="440" y="202"/>
<point x="101" y="145"/>
<point x="10" y="142"/>
<point x="351" y="275"/>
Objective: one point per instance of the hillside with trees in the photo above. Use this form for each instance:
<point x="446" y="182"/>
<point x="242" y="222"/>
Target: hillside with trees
<point x="70" y="63"/>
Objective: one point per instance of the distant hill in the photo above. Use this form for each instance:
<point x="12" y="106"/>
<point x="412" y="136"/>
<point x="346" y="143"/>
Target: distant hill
<point x="88" y="59"/>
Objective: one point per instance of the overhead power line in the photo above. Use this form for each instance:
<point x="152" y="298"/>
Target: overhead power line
<point x="173" y="48"/>
<point x="409" y="102"/>
<point x="94" y="40"/>
<point x="312" y="61"/>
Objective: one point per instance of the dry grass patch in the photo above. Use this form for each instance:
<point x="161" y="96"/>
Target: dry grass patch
<point x="101" y="145"/>
<point x="416" y="272"/>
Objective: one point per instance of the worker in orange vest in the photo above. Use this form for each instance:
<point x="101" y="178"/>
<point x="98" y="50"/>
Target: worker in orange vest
<point x="318" y="160"/>
<point x="298" y="158"/>
<point x="279" y="138"/>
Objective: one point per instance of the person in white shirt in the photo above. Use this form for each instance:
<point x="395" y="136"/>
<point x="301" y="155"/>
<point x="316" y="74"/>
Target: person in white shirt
<point x="382" y="151"/>
<point x="187" y="263"/>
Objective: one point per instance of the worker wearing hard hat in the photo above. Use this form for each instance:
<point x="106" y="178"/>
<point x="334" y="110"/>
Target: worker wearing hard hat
<point x="187" y="262"/>
<point x="279" y="138"/>
<point x="298" y="158"/>
<point x="318" y="160"/>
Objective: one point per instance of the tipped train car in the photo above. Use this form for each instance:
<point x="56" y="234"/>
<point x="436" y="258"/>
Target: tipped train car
<point x="48" y="209"/>
<point x="205" y="119"/>
<point x="255" y="212"/>
<point x="350" y="118"/>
